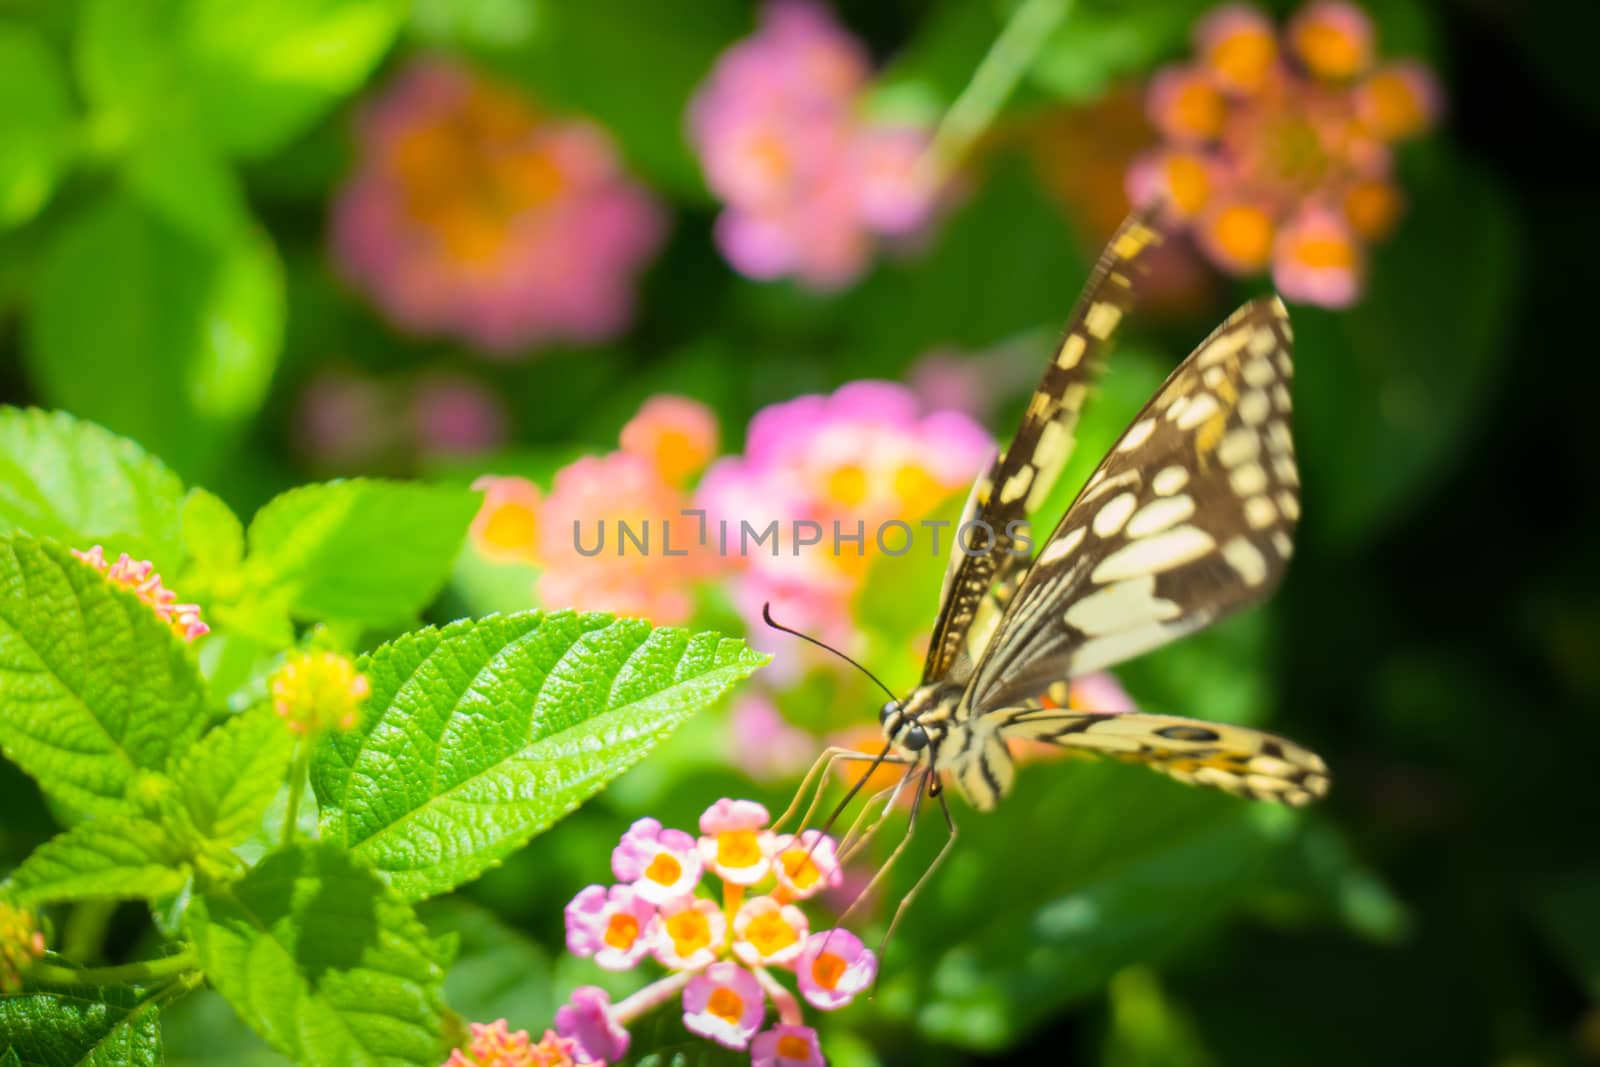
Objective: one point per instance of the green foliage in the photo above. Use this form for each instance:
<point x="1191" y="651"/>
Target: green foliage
<point x="34" y="98"/>
<point x="481" y="734"/>
<point x="75" y="482"/>
<point x="233" y="773"/>
<point x="88" y="1026"/>
<point x="324" y="961"/>
<point x="112" y="857"/>
<point x="97" y="687"/>
<point x="167" y="338"/>
<point x="359" y="551"/>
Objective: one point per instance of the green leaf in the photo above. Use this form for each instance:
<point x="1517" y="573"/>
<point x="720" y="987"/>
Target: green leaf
<point x="994" y="947"/>
<point x="38" y="125"/>
<point x="213" y="536"/>
<point x="202" y="1030"/>
<point x="86" y="1026"/>
<point x="93" y="686"/>
<point x="480" y="735"/>
<point x="113" y="857"/>
<point x="359" y="551"/>
<point x="1100" y="42"/>
<point x="1387" y="389"/>
<point x="167" y="338"/>
<point x="249" y="74"/>
<point x="231" y="775"/>
<point x="73" y="481"/>
<point x="324" y="961"/>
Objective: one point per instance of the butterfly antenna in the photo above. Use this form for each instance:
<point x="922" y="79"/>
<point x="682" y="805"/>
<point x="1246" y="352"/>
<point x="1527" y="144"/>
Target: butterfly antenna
<point x="766" y="613"/>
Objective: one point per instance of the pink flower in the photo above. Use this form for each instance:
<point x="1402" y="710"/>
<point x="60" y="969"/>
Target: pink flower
<point x="1101" y="693"/>
<point x="614" y="538"/>
<point x="494" y="1045"/>
<point x="1279" y="155"/>
<point x="676" y="434"/>
<point x="765" y="745"/>
<point x="472" y="213"/>
<point x="587" y="1019"/>
<point x="457" y="415"/>
<point x="724" y="1003"/>
<point x="834" y="967"/>
<point x="786" y="1046"/>
<point x="735" y="842"/>
<point x="767" y="933"/>
<point x="139" y="577"/>
<point x="506" y="528"/>
<point x="807" y="181"/>
<point x="806" y="864"/>
<point x="614" y="926"/>
<point x="661" y="865"/>
<point x="689" y="933"/>
<point x="864" y="457"/>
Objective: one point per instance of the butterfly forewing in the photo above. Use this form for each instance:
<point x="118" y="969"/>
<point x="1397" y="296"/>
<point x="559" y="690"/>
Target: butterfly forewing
<point x="1022" y="475"/>
<point x="1188" y="518"/>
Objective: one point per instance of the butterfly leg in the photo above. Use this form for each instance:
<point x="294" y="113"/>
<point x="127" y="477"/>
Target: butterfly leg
<point x="905" y="901"/>
<point x="852" y="844"/>
<point x="921" y="778"/>
<point x="824" y="763"/>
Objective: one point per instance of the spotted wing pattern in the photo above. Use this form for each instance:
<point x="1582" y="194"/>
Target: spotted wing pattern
<point x="1234" y="759"/>
<point x="1022" y="476"/>
<point x="1189" y="517"/>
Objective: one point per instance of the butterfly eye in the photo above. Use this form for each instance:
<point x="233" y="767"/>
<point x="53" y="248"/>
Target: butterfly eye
<point x="914" y="738"/>
<point x="887" y="710"/>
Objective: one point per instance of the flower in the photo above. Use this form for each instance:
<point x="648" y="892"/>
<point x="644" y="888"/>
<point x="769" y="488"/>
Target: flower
<point x="614" y="538"/>
<point x="786" y="1046"/>
<point x="506" y="528"/>
<point x="613" y="925"/>
<point x="807" y="179"/>
<point x="859" y="460"/>
<point x="586" y="1018"/>
<point x="691" y="931"/>
<point x="689" y="934"/>
<point x="834" y="967"/>
<point x="767" y="932"/>
<point x="494" y="1045"/>
<point x="473" y="213"/>
<point x="314" y="692"/>
<point x="766" y="746"/>
<point x="660" y="865"/>
<point x="724" y="1003"/>
<point x="456" y="415"/>
<point x="676" y="434"/>
<point x="1279" y="155"/>
<point x="21" y="943"/>
<point x="139" y="577"/>
<point x="806" y="863"/>
<point x="734" y="840"/>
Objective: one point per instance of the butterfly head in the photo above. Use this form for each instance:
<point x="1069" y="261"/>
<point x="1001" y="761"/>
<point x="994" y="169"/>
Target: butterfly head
<point x="917" y="723"/>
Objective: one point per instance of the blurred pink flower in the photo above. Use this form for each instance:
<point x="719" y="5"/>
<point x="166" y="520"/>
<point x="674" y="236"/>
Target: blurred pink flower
<point x="724" y="1003"/>
<point x="348" y="421"/>
<point x="689" y="933"/>
<point x="676" y="434"/>
<point x="613" y="925"/>
<point x="806" y="180"/>
<point x="592" y="565"/>
<point x="834" y="967"/>
<point x="861" y="458"/>
<point x="1279" y="153"/>
<point x="765" y="745"/>
<point x="786" y="1046"/>
<point x="767" y="932"/>
<point x="474" y="214"/>
<point x="457" y="415"/>
<point x="586" y="1018"/>
<point x="506" y="528"/>
<point x="735" y="841"/>
<point x="660" y="865"/>
<point x="806" y="863"/>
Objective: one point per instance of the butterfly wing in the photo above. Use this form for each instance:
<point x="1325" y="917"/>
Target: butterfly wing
<point x="1022" y="475"/>
<point x="1235" y="759"/>
<point x="1188" y="518"/>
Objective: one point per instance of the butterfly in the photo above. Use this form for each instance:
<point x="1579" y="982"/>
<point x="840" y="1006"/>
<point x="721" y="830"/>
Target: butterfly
<point x="1188" y="518"/>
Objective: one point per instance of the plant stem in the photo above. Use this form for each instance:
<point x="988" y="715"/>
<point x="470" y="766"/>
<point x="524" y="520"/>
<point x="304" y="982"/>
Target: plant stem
<point x="297" y="781"/>
<point x="127" y="973"/>
<point x="1002" y="67"/>
<point x="651" y="996"/>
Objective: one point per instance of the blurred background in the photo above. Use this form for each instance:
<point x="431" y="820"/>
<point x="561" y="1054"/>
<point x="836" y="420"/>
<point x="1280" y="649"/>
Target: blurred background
<point x="570" y="251"/>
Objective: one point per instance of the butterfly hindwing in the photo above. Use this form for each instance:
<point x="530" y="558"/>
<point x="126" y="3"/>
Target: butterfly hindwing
<point x="1189" y="517"/>
<point x="1022" y="475"/>
<point x="1235" y="759"/>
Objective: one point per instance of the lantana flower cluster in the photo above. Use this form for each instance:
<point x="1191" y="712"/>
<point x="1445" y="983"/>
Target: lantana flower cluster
<point x="497" y="1045"/>
<point x="474" y="213"/>
<point x="139" y="576"/>
<point x="574" y="531"/>
<point x="808" y="180"/>
<point x="1278" y="150"/>
<point x="723" y="948"/>
<point x="318" y="692"/>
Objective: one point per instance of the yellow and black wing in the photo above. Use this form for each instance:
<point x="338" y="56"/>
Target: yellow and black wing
<point x="1022" y="475"/>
